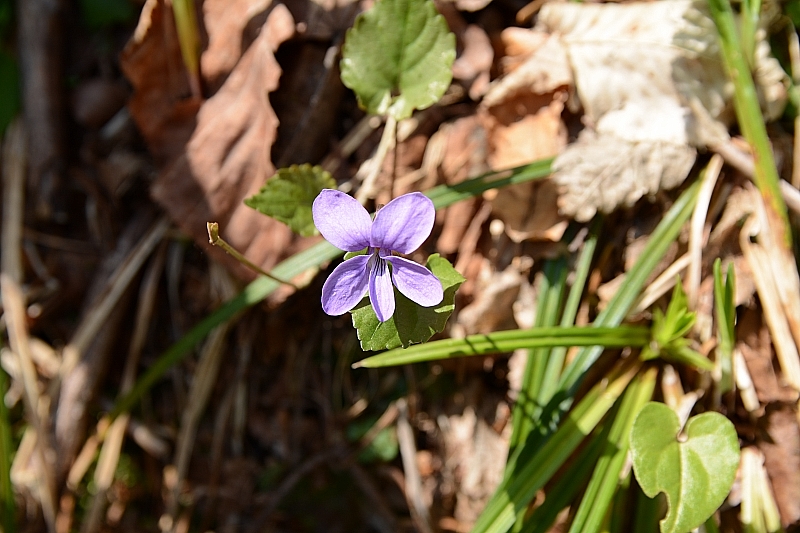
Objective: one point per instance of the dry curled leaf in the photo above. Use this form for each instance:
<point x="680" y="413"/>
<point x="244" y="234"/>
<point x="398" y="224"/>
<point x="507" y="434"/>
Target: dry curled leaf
<point x="652" y="88"/>
<point x="602" y="172"/>
<point x="214" y="152"/>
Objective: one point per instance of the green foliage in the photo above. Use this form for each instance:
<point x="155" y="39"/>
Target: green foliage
<point x="696" y="472"/>
<point x="9" y="90"/>
<point x="411" y="323"/>
<point x="310" y="258"/>
<point x="6" y="17"/>
<point x="382" y="448"/>
<point x="725" y="310"/>
<point x="99" y="14"/>
<point x="606" y="477"/>
<point x="669" y="330"/>
<point x="288" y="196"/>
<point x="7" y="504"/>
<point x="510" y="340"/>
<point x="531" y="472"/>
<point x="398" y="57"/>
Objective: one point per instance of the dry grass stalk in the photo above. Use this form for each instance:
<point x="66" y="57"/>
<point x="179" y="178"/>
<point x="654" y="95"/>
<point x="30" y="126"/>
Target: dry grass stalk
<point x="413" y="480"/>
<point x="776" y="279"/>
<point x="759" y="510"/>
<point x="698" y="237"/>
<point x="119" y="282"/>
<point x="662" y="284"/>
<point x="14" y="162"/>
<point x="202" y="384"/>
<point x="744" y="383"/>
<point x="36" y="406"/>
<point x="114" y="438"/>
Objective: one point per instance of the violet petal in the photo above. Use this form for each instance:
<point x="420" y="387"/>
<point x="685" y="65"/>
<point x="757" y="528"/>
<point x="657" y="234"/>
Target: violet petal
<point x="342" y="220"/>
<point x="381" y="292"/>
<point x="346" y="286"/>
<point x="404" y="223"/>
<point x="416" y="282"/>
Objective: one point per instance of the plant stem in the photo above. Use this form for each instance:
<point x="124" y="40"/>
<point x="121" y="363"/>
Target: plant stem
<point x="216" y="240"/>
<point x="749" y="116"/>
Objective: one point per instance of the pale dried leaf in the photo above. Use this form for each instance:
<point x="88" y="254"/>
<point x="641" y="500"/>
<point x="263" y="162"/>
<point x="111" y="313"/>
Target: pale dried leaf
<point x="650" y="79"/>
<point x="602" y="172"/>
<point x="647" y="55"/>
<point x="546" y="70"/>
<point x="476" y="457"/>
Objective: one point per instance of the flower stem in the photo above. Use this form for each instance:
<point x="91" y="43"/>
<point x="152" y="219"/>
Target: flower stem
<point x="216" y="240"/>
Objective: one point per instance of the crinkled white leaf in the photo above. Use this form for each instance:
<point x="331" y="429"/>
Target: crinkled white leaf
<point x="650" y="78"/>
<point x="602" y="172"/>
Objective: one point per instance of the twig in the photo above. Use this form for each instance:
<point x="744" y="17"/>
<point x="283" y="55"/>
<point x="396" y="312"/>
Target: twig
<point x="216" y="240"/>
<point x="371" y="168"/>
<point x="41" y="46"/>
<point x="413" y="483"/>
<point x="13" y="200"/>
<point x="14" y="312"/>
<point x="112" y="444"/>
<point x="776" y="280"/>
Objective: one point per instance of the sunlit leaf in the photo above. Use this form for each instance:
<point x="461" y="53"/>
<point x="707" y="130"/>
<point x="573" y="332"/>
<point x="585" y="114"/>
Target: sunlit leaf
<point x="289" y="194"/>
<point x="695" y="470"/>
<point x="398" y="57"/>
<point x="411" y="323"/>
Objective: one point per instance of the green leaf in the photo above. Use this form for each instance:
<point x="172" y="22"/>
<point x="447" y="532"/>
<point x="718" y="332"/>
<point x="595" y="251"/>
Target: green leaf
<point x="398" y="57"/>
<point x="309" y="259"/>
<point x="6" y="18"/>
<point x="669" y="332"/>
<point x="9" y="90"/>
<point x="510" y="340"/>
<point x="696" y="472"/>
<point x="288" y="196"/>
<point x="724" y="290"/>
<point x="411" y="323"/>
<point x="7" y="502"/>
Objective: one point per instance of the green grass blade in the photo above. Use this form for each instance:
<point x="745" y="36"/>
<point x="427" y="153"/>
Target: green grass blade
<point x="517" y="492"/>
<point x="620" y="514"/>
<point x="748" y="111"/>
<point x="548" y="416"/>
<point x="647" y="513"/>
<point x="620" y="305"/>
<point x="555" y="363"/>
<point x="551" y="295"/>
<point x="446" y="195"/>
<point x="569" y="482"/>
<point x="591" y="513"/>
<point x="256" y="291"/>
<point x="7" y="506"/>
<point x="724" y="290"/>
<point x="508" y="341"/>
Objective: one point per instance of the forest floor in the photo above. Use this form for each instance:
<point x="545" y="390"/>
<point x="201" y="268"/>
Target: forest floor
<point x="119" y="160"/>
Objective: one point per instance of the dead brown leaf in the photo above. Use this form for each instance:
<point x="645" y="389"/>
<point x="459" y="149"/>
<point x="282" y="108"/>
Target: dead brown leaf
<point x="217" y="151"/>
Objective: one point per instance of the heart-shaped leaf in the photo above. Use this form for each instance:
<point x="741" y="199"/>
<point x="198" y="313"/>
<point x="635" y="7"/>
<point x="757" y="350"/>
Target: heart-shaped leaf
<point x="411" y="323"/>
<point x="398" y="57"/>
<point x="288" y="196"/>
<point x="695" y="472"/>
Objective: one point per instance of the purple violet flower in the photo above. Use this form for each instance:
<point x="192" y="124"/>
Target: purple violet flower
<point x="401" y="226"/>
